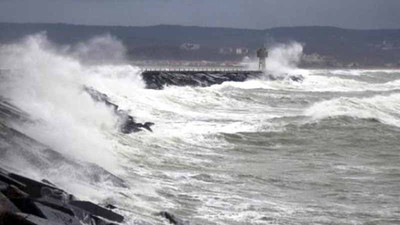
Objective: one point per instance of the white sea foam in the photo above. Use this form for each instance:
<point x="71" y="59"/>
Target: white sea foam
<point x="315" y="83"/>
<point x="353" y="72"/>
<point x="47" y="83"/>
<point x="284" y="59"/>
<point x="383" y="108"/>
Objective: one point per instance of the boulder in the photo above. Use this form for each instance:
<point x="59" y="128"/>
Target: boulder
<point x="42" y="203"/>
<point x="97" y="210"/>
<point x="9" y="218"/>
<point x="6" y="205"/>
<point x="172" y="218"/>
<point x="127" y="123"/>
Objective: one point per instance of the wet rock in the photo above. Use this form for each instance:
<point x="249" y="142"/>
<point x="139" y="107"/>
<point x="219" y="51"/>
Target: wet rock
<point x="127" y="123"/>
<point x="159" y="79"/>
<point x="172" y="218"/>
<point x="22" y="201"/>
<point x="10" y="181"/>
<point x="6" y="205"/>
<point x="374" y="120"/>
<point x="110" y="206"/>
<point x="58" y="216"/>
<point x="296" y="78"/>
<point x="9" y="218"/>
<point x="39" y="203"/>
<point x="97" y="210"/>
<point x="265" y="218"/>
<point x="32" y="188"/>
<point x="47" y="182"/>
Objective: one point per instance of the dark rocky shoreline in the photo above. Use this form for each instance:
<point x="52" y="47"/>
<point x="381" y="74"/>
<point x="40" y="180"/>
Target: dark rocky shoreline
<point x="26" y="201"/>
<point x="127" y="123"/>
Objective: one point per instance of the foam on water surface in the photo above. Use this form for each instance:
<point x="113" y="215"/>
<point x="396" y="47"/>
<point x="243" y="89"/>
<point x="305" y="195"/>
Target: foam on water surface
<point x="263" y="151"/>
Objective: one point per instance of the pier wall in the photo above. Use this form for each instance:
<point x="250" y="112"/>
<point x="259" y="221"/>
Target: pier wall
<point x="158" y="79"/>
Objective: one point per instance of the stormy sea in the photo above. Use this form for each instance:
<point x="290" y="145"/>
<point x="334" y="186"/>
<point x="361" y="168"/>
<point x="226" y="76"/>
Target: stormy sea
<point x="323" y="149"/>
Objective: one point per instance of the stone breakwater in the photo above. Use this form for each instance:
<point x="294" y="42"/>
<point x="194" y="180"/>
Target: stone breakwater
<point x="27" y="201"/>
<point x="127" y="123"/>
<point x="160" y="79"/>
<point x="24" y="200"/>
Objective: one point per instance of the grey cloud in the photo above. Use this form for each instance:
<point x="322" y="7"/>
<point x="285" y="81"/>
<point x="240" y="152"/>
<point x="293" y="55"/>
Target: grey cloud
<point x="258" y="14"/>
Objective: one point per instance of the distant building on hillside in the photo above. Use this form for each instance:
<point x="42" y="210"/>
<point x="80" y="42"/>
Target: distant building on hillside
<point x="225" y="51"/>
<point x="230" y="51"/>
<point x="242" y="51"/>
<point x="190" y="46"/>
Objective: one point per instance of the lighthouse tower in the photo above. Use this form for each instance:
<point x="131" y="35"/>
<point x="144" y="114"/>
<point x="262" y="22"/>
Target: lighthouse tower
<point x="262" y="54"/>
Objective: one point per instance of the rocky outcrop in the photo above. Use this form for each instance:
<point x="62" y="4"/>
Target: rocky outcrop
<point x="159" y="79"/>
<point x="171" y="218"/>
<point x="38" y="157"/>
<point x="26" y="201"/>
<point x="296" y="78"/>
<point x="127" y="123"/>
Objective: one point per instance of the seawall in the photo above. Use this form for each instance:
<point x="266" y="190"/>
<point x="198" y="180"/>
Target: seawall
<point x="160" y="79"/>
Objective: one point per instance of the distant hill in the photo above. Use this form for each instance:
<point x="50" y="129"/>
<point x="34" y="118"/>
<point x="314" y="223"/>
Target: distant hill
<point x="323" y="46"/>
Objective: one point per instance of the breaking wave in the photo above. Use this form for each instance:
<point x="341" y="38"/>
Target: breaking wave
<point x="215" y="150"/>
<point x="385" y="109"/>
<point x="47" y="83"/>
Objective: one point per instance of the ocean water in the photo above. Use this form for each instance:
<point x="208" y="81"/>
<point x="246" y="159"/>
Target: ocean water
<point x="321" y="151"/>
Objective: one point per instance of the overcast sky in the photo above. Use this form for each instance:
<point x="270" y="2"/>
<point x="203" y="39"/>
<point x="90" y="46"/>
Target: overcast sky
<point x="260" y="14"/>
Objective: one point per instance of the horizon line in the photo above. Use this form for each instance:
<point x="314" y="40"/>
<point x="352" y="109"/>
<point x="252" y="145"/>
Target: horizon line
<point x="197" y="26"/>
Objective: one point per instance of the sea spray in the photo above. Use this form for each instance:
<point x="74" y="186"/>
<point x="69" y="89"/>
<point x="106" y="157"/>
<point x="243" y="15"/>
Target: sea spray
<point x="47" y="83"/>
<point x="241" y="153"/>
<point x="104" y="49"/>
<point x="282" y="60"/>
